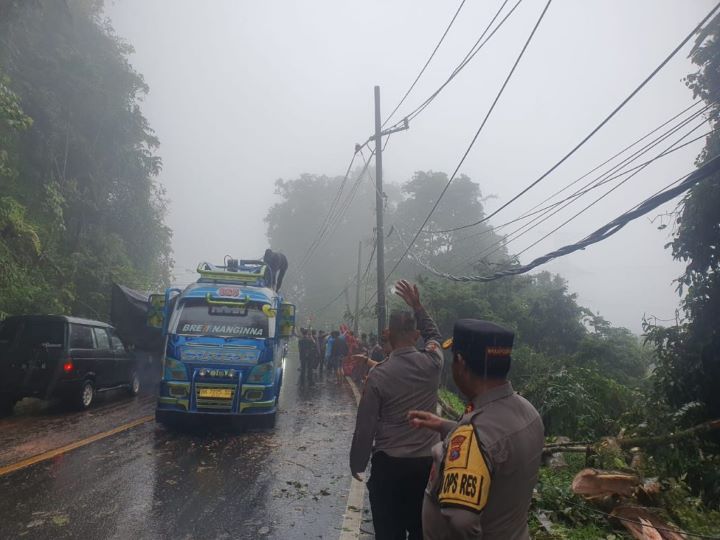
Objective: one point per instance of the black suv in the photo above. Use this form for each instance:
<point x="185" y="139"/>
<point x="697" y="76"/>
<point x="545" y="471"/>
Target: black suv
<point x="48" y="356"/>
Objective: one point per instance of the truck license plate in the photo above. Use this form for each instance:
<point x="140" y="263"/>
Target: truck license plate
<point x="223" y="393"/>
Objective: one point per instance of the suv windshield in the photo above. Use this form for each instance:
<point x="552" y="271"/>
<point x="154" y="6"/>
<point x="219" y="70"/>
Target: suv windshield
<point x="199" y="318"/>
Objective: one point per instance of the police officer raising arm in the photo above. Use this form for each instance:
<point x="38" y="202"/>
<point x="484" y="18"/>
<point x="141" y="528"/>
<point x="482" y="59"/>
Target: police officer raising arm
<point x="485" y="470"/>
<point x="401" y="455"/>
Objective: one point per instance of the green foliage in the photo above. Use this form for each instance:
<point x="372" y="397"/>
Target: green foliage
<point x="12" y="121"/>
<point x="688" y="353"/>
<point x="571" y="518"/>
<point x="537" y="307"/>
<point x="580" y="402"/>
<point x="688" y="511"/>
<point x="452" y="400"/>
<point x="79" y="202"/>
<point x="582" y="374"/>
<point x="461" y="203"/>
<point x="616" y="352"/>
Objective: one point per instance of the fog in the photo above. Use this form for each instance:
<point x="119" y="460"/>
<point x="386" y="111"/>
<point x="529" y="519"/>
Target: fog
<point x="243" y="93"/>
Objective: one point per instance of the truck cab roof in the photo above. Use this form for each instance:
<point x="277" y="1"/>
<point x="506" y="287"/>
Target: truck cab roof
<point x="253" y="294"/>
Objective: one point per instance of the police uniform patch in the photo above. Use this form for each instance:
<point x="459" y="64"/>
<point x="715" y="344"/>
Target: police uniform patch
<point x="455" y="447"/>
<point x="466" y="475"/>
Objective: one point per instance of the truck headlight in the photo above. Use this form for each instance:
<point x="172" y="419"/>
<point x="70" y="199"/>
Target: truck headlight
<point x="261" y="374"/>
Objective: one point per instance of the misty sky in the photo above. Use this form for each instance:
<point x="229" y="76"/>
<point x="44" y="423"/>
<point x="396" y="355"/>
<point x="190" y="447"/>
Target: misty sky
<point x="243" y="93"/>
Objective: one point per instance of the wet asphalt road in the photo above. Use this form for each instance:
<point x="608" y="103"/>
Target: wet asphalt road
<point x="152" y="482"/>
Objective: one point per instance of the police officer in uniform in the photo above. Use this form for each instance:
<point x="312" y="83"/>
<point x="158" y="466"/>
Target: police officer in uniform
<point x="485" y="469"/>
<point x="401" y="455"/>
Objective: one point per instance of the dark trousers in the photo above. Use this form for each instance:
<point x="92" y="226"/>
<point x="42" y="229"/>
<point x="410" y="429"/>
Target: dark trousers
<point x="397" y="489"/>
<point x="306" y="369"/>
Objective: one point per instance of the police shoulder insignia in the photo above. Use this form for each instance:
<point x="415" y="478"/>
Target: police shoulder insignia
<point x="466" y="475"/>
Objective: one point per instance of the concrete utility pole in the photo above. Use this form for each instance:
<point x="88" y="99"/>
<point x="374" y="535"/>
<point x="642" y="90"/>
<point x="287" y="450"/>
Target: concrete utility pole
<point x="379" y="215"/>
<point x="356" y="320"/>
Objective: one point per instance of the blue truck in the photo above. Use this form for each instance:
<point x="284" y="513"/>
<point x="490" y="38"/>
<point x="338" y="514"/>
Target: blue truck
<point x="225" y="342"/>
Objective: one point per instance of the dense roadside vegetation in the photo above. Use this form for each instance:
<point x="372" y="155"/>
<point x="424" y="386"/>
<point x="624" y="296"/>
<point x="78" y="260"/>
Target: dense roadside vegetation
<point x="80" y="206"/>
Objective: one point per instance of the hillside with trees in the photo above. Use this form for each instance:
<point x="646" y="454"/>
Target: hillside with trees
<point x="80" y="205"/>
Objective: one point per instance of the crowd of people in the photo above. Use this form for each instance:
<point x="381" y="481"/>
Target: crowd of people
<point x="338" y="353"/>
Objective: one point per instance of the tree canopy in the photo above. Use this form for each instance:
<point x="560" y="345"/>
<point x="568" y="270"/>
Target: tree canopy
<point x="80" y="205"/>
<point x="689" y="352"/>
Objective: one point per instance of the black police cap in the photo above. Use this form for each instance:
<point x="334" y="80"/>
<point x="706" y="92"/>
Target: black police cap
<point x="485" y="345"/>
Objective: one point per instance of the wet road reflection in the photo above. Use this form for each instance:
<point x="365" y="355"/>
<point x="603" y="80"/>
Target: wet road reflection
<point x="151" y="482"/>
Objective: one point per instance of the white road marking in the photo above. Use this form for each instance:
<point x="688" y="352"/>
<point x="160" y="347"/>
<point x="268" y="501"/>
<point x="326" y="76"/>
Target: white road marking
<point x="352" y="519"/>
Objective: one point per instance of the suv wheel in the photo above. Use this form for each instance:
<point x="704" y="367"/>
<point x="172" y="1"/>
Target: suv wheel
<point x="86" y="395"/>
<point x="134" y="386"/>
<point x="7" y="403"/>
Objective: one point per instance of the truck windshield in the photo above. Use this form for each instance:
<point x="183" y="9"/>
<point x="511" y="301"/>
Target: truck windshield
<point x="199" y="318"/>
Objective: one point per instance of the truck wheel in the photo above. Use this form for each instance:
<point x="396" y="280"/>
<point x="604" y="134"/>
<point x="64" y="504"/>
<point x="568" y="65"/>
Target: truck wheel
<point x="85" y="396"/>
<point x="134" y="386"/>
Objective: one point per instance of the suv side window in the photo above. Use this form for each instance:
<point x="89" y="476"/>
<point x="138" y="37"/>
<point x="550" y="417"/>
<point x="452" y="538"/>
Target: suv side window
<point x="101" y="338"/>
<point x="81" y="337"/>
<point x="117" y="344"/>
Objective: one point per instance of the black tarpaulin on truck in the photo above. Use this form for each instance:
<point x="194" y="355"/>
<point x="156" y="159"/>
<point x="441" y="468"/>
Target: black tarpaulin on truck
<point x="128" y="313"/>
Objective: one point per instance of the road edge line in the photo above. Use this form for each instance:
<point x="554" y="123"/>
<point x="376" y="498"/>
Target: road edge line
<point x="352" y="518"/>
<point x="27" y="462"/>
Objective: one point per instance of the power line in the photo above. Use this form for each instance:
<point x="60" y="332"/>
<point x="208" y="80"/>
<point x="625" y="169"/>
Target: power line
<point x="323" y="226"/>
<point x="341" y="212"/>
<point x="598" y="127"/>
<point x="370" y="260"/>
<point x="353" y="192"/>
<point x="586" y="208"/>
<point x="477" y="46"/>
<point x="532" y="211"/>
<point x="634" y="155"/>
<point x="545" y="213"/>
<point x="336" y="298"/>
<point x="427" y="63"/>
<point x="342" y="291"/>
<point x="464" y="62"/>
<point x="477" y="134"/>
<point x="486" y="253"/>
<point x="335" y="213"/>
<point x="684" y="183"/>
<point x="597" y="182"/>
<point x="634" y="171"/>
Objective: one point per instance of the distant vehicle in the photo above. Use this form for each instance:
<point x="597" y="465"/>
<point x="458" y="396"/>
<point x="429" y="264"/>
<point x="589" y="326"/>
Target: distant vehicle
<point x="225" y="344"/>
<point x="49" y="356"/>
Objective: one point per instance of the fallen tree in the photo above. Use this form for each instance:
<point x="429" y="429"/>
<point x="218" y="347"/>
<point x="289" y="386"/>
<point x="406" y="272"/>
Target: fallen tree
<point x="585" y="447"/>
